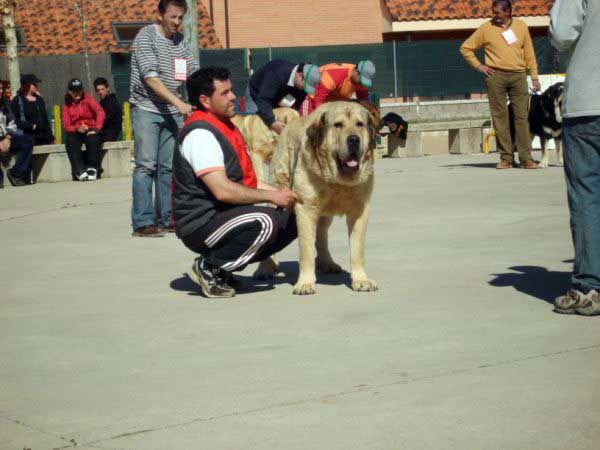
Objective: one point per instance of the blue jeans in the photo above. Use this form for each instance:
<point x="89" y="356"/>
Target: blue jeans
<point x="251" y="107"/>
<point x="581" y="139"/>
<point x="22" y="148"/>
<point x="154" y="142"/>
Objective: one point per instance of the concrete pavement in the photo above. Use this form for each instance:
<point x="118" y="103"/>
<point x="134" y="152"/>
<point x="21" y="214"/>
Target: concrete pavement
<point x="105" y="344"/>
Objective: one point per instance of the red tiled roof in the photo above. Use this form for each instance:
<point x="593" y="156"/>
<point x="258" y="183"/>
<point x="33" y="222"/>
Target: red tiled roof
<point x="52" y="27"/>
<point x="407" y="10"/>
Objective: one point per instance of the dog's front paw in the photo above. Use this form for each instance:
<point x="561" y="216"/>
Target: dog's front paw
<point x="328" y="267"/>
<point x="267" y="270"/>
<point x="304" y="288"/>
<point x="543" y="165"/>
<point x="364" y="285"/>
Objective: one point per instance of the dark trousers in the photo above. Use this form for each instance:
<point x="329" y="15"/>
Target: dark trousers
<point x="21" y="147"/>
<point x="512" y="85"/>
<point x="79" y="162"/>
<point x="581" y="139"/>
<point x="243" y="235"/>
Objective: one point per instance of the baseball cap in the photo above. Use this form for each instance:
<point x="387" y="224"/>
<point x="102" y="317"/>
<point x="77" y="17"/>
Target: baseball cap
<point x="75" y="85"/>
<point x="312" y="76"/>
<point x="30" y="78"/>
<point x="366" y="70"/>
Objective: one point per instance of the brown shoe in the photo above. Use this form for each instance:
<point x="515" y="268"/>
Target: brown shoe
<point x="148" y="231"/>
<point x="504" y="164"/>
<point x="169" y="229"/>
<point x="529" y="164"/>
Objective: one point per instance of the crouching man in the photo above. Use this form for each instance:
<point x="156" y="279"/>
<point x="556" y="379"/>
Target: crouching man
<point x="215" y="191"/>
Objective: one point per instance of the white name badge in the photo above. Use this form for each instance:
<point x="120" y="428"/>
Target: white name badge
<point x="287" y="101"/>
<point x="180" y="69"/>
<point x="509" y="36"/>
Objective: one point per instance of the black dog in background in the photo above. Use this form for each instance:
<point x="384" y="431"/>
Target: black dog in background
<point x="396" y="124"/>
<point x="545" y="120"/>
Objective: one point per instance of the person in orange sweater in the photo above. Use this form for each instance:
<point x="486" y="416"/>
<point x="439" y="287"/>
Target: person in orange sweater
<point x="339" y="82"/>
<point x="82" y="119"/>
<point x="508" y="54"/>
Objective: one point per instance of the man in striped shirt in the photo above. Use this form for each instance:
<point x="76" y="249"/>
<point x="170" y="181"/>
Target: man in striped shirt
<point x="160" y="64"/>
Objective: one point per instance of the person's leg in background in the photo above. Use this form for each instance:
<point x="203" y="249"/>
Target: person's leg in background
<point x="146" y="128"/>
<point x="93" y="145"/>
<point x="166" y="145"/>
<point x="250" y="104"/>
<point x="497" y="96"/>
<point x="73" y="144"/>
<point x="518" y="93"/>
<point x="22" y="148"/>
<point x="581" y="139"/>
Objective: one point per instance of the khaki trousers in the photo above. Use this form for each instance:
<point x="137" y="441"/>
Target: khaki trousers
<point x="513" y="85"/>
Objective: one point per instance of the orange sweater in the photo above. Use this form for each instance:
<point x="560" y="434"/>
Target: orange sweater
<point x="336" y="84"/>
<point x="516" y="57"/>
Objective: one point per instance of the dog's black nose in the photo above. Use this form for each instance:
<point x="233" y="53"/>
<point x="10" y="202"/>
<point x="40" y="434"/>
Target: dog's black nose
<point x="353" y="142"/>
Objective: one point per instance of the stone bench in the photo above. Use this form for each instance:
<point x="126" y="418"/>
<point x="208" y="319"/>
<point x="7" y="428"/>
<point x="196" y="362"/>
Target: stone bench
<point x="51" y="163"/>
<point x="464" y="137"/>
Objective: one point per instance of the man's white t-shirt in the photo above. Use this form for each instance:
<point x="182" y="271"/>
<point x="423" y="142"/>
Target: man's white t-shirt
<point x="201" y="149"/>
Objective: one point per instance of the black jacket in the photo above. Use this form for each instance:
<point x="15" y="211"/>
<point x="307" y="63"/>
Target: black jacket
<point x="27" y="114"/>
<point x="269" y="85"/>
<point x="113" y="122"/>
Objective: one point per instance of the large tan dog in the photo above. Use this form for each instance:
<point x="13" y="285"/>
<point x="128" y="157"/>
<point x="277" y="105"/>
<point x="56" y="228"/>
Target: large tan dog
<point x="333" y="176"/>
<point x="261" y="140"/>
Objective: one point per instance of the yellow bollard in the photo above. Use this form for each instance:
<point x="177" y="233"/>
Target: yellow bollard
<point x="127" y="113"/>
<point x="57" y="125"/>
<point x="486" y="141"/>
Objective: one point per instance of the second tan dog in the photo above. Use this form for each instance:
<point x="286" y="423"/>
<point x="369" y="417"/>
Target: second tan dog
<point x="333" y="176"/>
<point x="261" y="140"/>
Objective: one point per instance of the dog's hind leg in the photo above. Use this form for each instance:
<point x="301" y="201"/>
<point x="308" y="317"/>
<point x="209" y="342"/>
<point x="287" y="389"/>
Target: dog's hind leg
<point x="325" y="262"/>
<point x="559" y="150"/>
<point x="544" y="161"/>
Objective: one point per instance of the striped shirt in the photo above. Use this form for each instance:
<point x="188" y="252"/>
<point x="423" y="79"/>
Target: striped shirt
<point x="154" y="56"/>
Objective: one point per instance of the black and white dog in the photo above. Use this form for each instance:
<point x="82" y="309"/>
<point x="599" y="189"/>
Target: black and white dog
<point x="545" y="121"/>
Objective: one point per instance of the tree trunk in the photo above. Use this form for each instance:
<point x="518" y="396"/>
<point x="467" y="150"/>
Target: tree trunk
<point x="7" y="8"/>
<point x="84" y="29"/>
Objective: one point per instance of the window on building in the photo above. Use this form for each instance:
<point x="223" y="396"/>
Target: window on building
<point x="125" y="32"/>
<point x="20" y="38"/>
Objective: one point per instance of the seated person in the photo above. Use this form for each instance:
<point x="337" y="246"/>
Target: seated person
<point x="215" y="191"/>
<point x="82" y="119"/>
<point x="29" y="109"/>
<point x="13" y="144"/>
<point x="113" y="110"/>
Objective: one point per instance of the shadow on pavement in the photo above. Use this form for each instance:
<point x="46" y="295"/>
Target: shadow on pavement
<point x="534" y="281"/>
<point x="291" y="270"/>
<point x="476" y="165"/>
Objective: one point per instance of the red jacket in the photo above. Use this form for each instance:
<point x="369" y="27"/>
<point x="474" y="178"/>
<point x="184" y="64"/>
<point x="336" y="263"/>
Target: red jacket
<point x="85" y="112"/>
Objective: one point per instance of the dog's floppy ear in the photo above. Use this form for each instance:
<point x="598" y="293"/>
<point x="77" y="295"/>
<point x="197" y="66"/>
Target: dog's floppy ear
<point x="373" y="130"/>
<point x="316" y="131"/>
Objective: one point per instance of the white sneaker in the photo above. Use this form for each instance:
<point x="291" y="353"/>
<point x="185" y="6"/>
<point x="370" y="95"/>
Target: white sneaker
<point x="83" y="176"/>
<point x="92" y="174"/>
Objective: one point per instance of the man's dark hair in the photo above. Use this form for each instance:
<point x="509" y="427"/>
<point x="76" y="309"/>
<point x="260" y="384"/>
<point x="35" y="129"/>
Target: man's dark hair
<point x="505" y="4"/>
<point x="163" y="4"/>
<point x="100" y="81"/>
<point x="202" y="82"/>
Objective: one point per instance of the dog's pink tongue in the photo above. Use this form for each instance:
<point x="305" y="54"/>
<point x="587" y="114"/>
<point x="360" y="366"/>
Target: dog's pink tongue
<point x="352" y="163"/>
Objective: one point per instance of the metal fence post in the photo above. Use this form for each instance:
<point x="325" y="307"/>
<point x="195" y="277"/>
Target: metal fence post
<point x="395" y="71"/>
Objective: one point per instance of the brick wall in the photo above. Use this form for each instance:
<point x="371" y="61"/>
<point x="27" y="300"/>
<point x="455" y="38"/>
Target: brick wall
<point x="289" y="23"/>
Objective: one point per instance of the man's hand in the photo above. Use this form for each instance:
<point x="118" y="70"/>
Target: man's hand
<point x="535" y="84"/>
<point x="184" y="109"/>
<point x="5" y="145"/>
<point x="277" y="127"/>
<point x="487" y="71"/>
<point x="284" y="198"/>
<point x="82" y="129"/>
